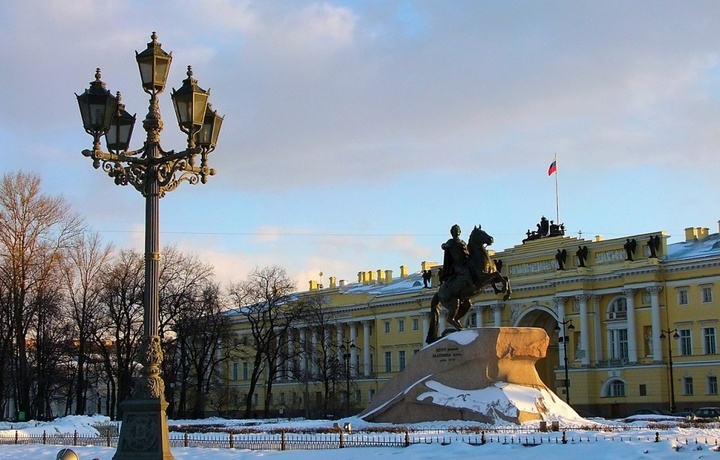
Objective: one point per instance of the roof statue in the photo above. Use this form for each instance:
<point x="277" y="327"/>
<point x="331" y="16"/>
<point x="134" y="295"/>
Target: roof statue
<point x="545" y="228"/>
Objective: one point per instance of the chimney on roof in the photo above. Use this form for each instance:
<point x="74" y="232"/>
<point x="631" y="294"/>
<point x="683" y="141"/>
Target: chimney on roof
<point x="425" y="265"/>
<point x="333" y="282"/>
<point x="696" y="233"/>
<point x="380" y="276"/>
<point x="403" y="271"/>
<point x="370" y="277"/>
<point x="342" y="283"/>
<point x="313" y="285"/>
<point x="388" y="276"/>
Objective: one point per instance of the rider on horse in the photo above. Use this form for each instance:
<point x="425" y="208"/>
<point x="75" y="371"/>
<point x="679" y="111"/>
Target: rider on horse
<point x="455" y="258"/>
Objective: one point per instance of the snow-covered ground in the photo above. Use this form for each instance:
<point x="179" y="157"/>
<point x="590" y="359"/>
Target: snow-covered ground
<point x="636" y="441"/>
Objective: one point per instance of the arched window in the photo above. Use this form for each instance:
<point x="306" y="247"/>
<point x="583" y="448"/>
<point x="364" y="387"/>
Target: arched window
<point x="614" y="388"/>
<point x="617" y="309"/>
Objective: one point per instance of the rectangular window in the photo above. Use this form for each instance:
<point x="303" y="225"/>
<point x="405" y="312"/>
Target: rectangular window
<point x="386" y="325"/>
<point x="709" y="344"/>
<point x="643" y="389"/>
<point x="618" y="344"/>
<point x="401" y="360"/>
<point x="371" y="394"/>
<point x="388" y="361"/>
<point x="416" y="324"/>
<point x="685" y="342"/>
<point x="235" y="372"/>
<point x="706" y="293"/>
<point x="682" y="296"/>
<point x="687" y="386"/>
<point x="401" y="325"/>
<point x="245" y="371"/>
<point x="472" y="320"/>
<point x="358" y="396"/>
<point x="282" y="397"/>
<point x="255" y="399"/>
<point x="712" y="388"/>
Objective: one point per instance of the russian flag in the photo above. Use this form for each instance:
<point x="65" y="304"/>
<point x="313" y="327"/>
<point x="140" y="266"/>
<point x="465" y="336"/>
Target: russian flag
<point x="552" y="168"/>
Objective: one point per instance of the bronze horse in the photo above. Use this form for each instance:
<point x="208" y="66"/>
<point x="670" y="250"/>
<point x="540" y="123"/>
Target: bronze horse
<point x="455" y="293"/>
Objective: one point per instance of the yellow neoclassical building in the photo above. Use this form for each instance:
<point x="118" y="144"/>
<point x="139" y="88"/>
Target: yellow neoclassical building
<point x="632" y="324"/>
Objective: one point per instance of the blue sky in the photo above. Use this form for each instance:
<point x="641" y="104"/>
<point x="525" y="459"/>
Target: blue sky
<point x="357" y="133"/>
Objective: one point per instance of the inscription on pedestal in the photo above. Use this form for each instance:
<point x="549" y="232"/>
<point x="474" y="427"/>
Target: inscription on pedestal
<point x="446" y="354"/>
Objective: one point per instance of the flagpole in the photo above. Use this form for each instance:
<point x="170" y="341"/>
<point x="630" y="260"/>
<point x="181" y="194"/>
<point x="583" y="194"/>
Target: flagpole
<point x="557" y="195"/>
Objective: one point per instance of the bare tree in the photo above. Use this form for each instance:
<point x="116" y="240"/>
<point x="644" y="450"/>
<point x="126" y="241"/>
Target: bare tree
<point x="202" y="335"/>
<point x="186" y="286"/>
<point x="35" y="230"/>
<point x="183" y="280"/>
<point x="119" y="327"/>
<point x="326" y="357"/>
<point x="265" y="303"/>
<point x="86" y="260"/>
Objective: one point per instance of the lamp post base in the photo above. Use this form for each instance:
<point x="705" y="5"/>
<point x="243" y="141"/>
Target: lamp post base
<point x="144" y="431"/>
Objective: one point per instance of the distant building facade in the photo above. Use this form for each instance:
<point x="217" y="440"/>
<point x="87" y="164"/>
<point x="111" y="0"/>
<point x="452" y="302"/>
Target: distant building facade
<point x="640" y="318"/>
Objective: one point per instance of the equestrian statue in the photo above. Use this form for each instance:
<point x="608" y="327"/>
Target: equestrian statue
<point x="467" y="270"/>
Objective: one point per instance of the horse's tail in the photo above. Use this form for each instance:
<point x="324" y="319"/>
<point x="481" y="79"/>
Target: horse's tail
<point x="435" y="300"/>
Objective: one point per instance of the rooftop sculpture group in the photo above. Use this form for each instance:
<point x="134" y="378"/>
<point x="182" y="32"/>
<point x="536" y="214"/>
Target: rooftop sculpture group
<point x="545" y="229"/>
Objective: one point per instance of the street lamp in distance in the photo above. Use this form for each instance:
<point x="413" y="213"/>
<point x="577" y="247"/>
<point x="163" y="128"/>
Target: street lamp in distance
<point x="675" y="336"/>
<point x="346" y="347"/>
<point x="565" y="339"/>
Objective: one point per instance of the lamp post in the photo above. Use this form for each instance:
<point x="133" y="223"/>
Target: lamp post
<point x="345" y="348"/>
<point x="564" y="340"/>
<point x="675" y="336"/>
<point x="153" y="172"/>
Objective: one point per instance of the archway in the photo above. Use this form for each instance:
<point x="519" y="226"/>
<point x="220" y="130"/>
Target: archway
<point x="543" y="318"/>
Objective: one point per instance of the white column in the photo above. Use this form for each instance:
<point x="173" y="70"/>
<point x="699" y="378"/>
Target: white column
<point x="425" y="325"/>
<point x="632" y="334"/>
<point x="560" y="310"/>
<point x="656" y="324"/>
<point x="597" y="349"/>
<point x="584" y="330"/>
<point x="290" y="353"/>
<point x="313" y="353"/>
<point x="339" y="335"/>
<point x="366" y="347"/>
<point x="497" y="314"/>
<point x="353" y="351"/>
<point x="303" y="351"/>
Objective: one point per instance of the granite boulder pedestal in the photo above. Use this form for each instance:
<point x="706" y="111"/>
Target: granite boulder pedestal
<point x="486" y="375"/>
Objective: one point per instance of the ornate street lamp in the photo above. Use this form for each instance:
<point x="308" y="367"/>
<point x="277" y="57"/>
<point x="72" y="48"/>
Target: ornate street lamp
<point x="153" y="172"/>
<point x="675" y="336"/>
<point x="346" y="348"/>
<point x="565" y="339"/>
